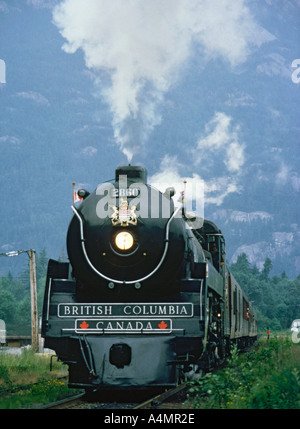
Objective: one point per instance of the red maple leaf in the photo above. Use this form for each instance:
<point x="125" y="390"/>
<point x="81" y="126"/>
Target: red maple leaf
<point x="162" y="325"/>
<point x="84" y="325"/>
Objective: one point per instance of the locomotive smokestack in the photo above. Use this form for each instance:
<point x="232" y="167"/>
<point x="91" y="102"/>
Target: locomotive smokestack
<point x="134" y="174"/>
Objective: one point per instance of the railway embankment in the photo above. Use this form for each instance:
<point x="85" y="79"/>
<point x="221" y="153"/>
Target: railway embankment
<point x="266" y="377"/>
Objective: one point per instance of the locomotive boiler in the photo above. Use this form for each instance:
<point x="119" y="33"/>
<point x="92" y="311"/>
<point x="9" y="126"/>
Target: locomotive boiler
<point x="146" y="299"/>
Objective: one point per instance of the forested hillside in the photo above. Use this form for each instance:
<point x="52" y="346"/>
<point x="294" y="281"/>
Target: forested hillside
<point x="204" y="89"/>
<point x="276" y="299"/>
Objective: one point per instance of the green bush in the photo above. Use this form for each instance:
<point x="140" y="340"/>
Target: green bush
<point x="267" y="377"/>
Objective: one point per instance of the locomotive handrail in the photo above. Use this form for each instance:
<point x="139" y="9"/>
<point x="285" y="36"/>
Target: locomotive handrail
<point x="48" y="298"/>
<point x="124" y="281"/>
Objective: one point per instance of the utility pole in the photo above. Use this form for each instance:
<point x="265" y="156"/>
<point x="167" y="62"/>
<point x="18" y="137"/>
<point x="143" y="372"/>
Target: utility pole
<point x="33" y="293"/>
<point x="34" y="311"/>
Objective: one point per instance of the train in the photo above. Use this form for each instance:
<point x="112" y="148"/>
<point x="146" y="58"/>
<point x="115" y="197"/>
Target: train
<point x="146" y="298"/>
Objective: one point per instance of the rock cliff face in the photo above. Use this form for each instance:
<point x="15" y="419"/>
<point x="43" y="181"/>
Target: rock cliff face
<point x="255" y="234"/>
<point x="227" y="216"/>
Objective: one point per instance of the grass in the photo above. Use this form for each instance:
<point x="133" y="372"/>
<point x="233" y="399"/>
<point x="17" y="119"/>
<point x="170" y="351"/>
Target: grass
<point x="268" y="377"/>
<point x="19" y="372"/>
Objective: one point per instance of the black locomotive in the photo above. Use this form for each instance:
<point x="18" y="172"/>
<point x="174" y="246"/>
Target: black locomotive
<point x="147" y="299"/>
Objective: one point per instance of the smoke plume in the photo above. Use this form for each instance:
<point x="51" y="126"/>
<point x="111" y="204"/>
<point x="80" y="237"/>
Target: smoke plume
<point x="138" y="48"/>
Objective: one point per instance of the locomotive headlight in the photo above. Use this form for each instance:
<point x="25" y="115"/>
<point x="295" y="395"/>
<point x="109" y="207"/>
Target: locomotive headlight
<point x="124" y="240"/>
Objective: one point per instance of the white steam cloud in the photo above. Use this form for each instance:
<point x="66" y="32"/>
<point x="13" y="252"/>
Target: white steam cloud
<point x="137" y="48"/>
<point x="214" y="190"/>
<point x="222" y="136"/>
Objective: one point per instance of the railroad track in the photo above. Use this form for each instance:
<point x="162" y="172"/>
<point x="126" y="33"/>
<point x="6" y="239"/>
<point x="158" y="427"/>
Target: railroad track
<point x="162" y="400"/>
<point x="70" y="402"/>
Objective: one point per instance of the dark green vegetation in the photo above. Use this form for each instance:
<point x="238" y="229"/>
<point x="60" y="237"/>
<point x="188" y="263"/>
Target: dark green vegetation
<point x="15" y="297"/>
<point x="268" y="377"/>
<point x="276" y="299"/>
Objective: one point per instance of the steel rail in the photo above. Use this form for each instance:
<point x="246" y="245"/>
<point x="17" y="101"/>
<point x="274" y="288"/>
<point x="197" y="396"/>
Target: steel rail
<point x="61" y="403"/>
<point x="162" y="397"/>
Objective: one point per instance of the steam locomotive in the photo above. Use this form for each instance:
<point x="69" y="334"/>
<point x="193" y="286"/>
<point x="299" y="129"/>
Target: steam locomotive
<point x="146" y="299"/>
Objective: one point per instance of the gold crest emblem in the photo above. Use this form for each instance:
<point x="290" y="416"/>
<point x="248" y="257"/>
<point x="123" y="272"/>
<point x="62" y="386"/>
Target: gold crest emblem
<point x="124" y="215"/>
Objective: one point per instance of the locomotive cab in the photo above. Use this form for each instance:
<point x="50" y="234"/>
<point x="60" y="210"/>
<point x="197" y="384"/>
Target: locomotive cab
<point x="213" y="242"/>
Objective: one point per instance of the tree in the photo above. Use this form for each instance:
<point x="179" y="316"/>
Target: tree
<point x="242" y="264"/>
<point x="276" y="299"/>
<point x="242" y="272"/>
<point x="7" y="306"/>
<point x="266" y="269"/>
<point x="15" y="305"/>
<point x="41" y="264"/>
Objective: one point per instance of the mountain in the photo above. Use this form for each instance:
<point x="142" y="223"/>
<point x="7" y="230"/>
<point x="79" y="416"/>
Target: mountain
<point x="255" y="234"/>
<point x="222" y="105"/>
